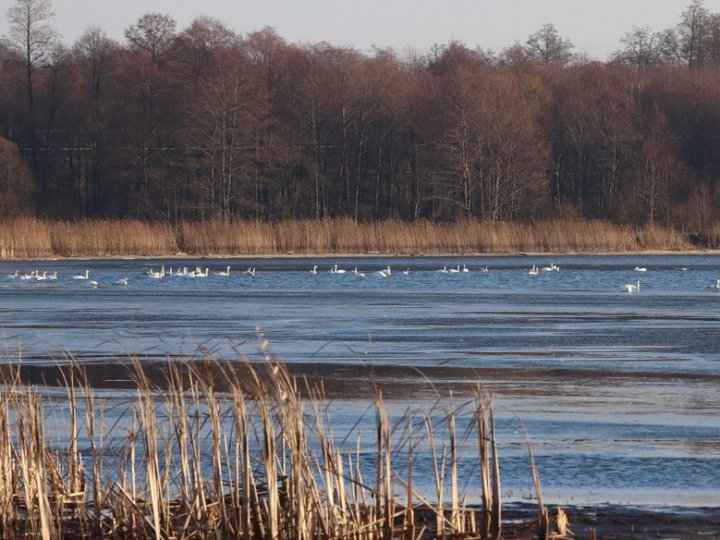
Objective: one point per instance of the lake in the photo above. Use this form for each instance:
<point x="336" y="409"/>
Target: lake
<point x="619" y="391"/>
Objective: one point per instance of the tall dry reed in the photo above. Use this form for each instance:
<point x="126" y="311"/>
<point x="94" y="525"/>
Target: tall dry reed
<point x="33" y="238"/>
<point x="220" y="453"/>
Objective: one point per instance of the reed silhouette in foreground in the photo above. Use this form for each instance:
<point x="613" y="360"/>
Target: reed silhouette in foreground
<point x="220" y="452"/>
<point x="33" y="238"/>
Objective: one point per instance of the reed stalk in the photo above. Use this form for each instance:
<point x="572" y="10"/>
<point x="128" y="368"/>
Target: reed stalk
<point x="214" y="453"/>
<point x="24" y="238"/>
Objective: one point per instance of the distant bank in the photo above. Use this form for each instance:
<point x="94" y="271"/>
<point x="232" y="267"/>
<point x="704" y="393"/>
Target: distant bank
<point x="32" y="238"/>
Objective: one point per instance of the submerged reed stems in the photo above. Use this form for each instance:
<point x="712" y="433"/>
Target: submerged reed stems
<point x="211" y="454"/>
<point x="34" y="238"/>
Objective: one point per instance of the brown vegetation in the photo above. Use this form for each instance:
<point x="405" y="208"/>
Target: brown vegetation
<point x="202" y="124"/>
<point x="218" y="455"/>
<point x="32" y="238"/>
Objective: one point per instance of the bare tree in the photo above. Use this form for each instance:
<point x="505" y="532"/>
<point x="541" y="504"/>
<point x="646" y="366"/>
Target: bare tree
<point x="153" y="33"/>
<point x="200" y="42"/>
<point x="547" y="46"/>
<point x="16" y="182"/>
<point x="31" y="34"/>
<point x="151" y="42"/>
<point x="660" y="168"/>
<point x="224" y="118"/>
<point x="94" y="56"/>
<point x="641" y="48"/>
<point x="692" y="30"/>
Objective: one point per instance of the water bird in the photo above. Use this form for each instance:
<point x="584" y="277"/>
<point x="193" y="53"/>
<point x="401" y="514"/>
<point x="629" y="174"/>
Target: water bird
<point x="94" y="284"/>
<point x="717" y="285"/>
<point x="86" y="275"/>
<point x="454" y="270"/>
<point x="465" y="268"/>
<point x="385" y="272"/>
<point x="406" y="272"/>
<point x="633" y="287"/>
<point x="358" y="274"/>
<point x="640" y="269"/>
<point x="41" y="277"/>
<point x="52" y="276"/>
<point x="224" y="273"/>
<point x="534" y="271"/>
<point x="484" y="268"/>
<point x="314" y="270"/>
<point x="122" y="281"/>
<point x="444" y="269"/>
<point x="251" y="271"/>
<point x="552" y="268"/>
<point x="156" y="275"/>
<point x="336" y="270"/>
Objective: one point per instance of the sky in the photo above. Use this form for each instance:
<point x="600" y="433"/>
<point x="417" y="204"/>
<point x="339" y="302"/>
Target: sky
<point x="595" y="27"/>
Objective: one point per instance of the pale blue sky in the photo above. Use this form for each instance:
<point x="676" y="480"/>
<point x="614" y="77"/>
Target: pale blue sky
<point x="594" y="26"/>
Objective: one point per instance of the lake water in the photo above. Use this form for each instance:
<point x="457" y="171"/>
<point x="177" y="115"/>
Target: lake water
<point x="620" y="392"/>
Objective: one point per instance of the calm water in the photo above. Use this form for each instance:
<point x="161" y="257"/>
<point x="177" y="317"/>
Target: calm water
<point x="620" y="392"/>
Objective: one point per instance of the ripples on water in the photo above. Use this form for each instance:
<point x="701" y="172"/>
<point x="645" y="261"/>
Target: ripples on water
<point x="620" y="392"/>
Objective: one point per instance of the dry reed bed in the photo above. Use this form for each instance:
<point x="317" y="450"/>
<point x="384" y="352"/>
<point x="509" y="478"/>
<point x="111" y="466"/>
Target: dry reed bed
<point x="32" y="238"/>
<point x="247" y="458"/>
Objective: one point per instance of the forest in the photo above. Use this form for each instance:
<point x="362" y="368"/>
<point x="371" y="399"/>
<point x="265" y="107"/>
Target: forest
<point x="203" y="123"/>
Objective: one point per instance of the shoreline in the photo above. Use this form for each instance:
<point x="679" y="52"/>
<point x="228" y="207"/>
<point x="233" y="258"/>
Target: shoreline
<point x="614" y="521"/>
<point x="373" y="255"/>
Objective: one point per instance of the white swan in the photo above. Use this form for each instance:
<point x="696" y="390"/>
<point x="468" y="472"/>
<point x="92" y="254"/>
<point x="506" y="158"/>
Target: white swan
<point x="156" y="275"/>
<point x="224" y="273"/>
<point x="454" y="270"/>
<point x="633" y="287"/>
<point x="314" y="270"/>
<point x="122" y="281"/>
<point x="484" y="268"/>
<point x="94" y="284"/>
<point x="444" y="270"/>
<point x="251" y="271"/>
<point x="552" y="268"/>
<point x="465" y="268"/>
<point x="640" y="269"/>
<point x="41" y="277"/>
<point x="406" y="272"/>
<point x="717" y="285"/>
<point x="534" y="271"/>
<point x="86" y="275"/>
<point x="358" y="274"/>
<point x="336" y="270"/>
<point x="385" y="272"/>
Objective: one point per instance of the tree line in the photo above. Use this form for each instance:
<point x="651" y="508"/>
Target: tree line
<point x="203" y="123"/>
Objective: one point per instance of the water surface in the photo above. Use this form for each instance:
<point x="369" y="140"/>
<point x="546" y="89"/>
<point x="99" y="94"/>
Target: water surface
<point x="620" y="392"/>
